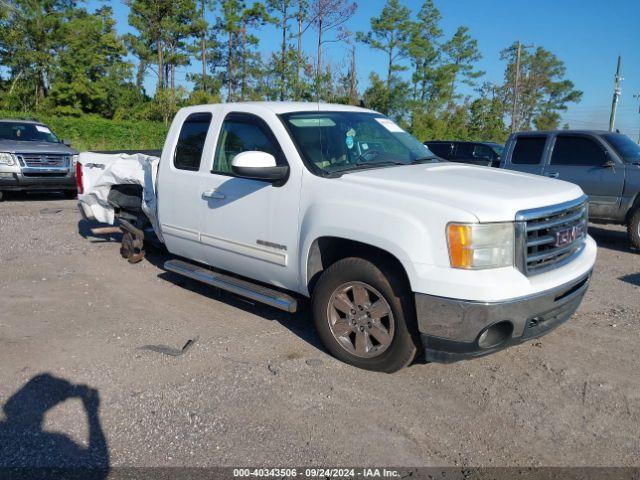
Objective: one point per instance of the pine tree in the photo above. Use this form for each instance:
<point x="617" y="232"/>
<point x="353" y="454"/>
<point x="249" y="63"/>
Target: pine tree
<point x="390" y="33"/>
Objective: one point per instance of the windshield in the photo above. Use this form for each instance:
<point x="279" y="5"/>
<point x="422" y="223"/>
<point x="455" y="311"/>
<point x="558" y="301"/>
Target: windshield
<point x="339" y="142"/>
<point x="626" y="148"/>
<point x="26" y="132"/>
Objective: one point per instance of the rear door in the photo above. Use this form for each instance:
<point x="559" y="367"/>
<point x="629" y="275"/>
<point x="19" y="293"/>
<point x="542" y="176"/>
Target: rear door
<point x="585" y="161"/>
<point x="464" y="153"/>
<point x="180" y="178"/>
<point x="527" y="153"/>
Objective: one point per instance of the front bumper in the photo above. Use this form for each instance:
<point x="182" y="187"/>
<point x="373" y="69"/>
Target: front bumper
<point x="37" y="179"/>
<point x="451" y="329"/>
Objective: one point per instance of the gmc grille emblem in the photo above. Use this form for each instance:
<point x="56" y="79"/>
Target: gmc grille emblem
<point x="568" y="235"/>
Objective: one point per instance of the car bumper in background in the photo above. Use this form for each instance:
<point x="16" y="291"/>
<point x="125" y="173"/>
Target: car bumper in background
<point x="453" y="330"/>
<point x="37" y="180"/>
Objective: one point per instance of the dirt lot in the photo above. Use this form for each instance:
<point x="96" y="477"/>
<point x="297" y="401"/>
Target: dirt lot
<point x="256" y="388"/>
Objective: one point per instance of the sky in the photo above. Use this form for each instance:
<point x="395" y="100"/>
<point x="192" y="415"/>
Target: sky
<point x="588" y="35"/>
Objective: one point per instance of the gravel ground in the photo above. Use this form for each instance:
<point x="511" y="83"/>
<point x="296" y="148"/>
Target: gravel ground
<point x="85" y="382"/>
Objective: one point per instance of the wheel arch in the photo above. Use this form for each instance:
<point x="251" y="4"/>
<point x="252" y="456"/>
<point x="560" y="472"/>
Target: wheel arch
<point x="326" y="250"/>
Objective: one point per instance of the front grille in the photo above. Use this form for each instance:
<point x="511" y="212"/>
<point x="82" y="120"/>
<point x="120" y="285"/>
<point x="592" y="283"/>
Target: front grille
<point x="43" y="160"/>
<point x="552" y="236"/>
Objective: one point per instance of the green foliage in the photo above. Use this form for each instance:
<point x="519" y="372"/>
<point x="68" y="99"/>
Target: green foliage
<point x="390" y="33"/>
<point x="58" y="58"/>
<point x="88" y="132"/>
<point x="543" y="90"/>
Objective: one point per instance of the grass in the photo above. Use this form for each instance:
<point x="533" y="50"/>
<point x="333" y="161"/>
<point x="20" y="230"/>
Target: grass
<point x="94" y="133"/>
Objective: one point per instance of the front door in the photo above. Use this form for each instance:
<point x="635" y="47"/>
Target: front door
<point x="582" y="160"/>
<point x="249" y="226"/>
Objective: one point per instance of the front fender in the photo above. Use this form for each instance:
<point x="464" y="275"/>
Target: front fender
<point x="401" y="233"/>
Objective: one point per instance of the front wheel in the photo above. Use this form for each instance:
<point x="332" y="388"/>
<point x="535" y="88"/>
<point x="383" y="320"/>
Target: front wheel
<point x="633" y="228"/>
<point x="70" y="194"/>
<point x="364" y="316"/>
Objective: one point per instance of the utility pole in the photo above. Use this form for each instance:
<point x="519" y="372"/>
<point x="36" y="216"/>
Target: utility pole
<point x="516" y="87"/>
<point x="616" y="95"/>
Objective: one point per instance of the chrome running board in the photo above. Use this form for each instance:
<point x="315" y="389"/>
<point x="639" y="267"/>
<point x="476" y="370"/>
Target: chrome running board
<point x="243" y="288"/>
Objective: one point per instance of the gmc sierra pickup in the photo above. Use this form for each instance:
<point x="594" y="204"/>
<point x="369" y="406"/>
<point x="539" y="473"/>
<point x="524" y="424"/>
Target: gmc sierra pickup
<point x="605" y="165"/>
<point x="32" y="158"/>
<point x="398" y="251"/>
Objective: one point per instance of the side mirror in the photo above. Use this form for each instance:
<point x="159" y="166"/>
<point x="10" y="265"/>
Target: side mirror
<point x="258" y="166"/>
<point x="66" y="143"/>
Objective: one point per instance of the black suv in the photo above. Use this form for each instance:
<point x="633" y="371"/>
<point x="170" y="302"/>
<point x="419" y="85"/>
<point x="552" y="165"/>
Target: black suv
<point x="477" y="153"/>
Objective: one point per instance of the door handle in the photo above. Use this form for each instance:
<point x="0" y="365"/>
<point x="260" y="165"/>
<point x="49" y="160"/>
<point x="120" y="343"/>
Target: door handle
<point x="213" y="195"/>
<point x="552" y="174"/>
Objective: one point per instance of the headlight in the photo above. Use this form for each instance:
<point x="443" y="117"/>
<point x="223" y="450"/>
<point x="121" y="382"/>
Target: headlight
<point x="7" y="159"/>
<point x="481" y="245"/>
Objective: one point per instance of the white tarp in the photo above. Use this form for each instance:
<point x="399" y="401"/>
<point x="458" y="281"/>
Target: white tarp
<point x="101" y="171"/>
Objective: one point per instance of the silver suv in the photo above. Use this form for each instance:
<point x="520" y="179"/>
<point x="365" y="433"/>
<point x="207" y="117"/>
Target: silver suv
<point x="32" y="158"/>
<point x="605" y="165"/>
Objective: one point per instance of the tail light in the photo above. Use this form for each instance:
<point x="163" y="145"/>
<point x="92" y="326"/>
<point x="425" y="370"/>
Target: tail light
<point x="79" y="178"/>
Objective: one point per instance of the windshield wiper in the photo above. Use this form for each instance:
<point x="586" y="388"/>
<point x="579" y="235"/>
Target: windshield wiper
<point x="364" y="166"/>
<point x="423" y="160"/>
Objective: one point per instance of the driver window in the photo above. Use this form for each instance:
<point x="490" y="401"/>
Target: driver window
<point x="237" y="136"/>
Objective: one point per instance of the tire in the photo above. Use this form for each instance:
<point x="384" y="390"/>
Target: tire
<point x="371" y="339"/>
<point x="70" y="194"/>
<point x="633" y="228"/>
<point x="126" y="197"/>
<point x="3" y="196"/>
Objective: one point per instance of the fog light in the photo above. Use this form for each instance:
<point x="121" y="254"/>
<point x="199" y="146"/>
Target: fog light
<point x="495" y="334"/>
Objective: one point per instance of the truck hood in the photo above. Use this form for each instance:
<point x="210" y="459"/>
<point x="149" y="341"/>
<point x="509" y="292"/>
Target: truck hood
<point x="13" y="146"/>
<point x="491" y="194"/>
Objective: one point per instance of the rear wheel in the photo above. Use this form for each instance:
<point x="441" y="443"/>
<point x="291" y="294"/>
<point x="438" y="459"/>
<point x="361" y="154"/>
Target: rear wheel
<point x="633" y="228"/>
<point x="364" y="316"/>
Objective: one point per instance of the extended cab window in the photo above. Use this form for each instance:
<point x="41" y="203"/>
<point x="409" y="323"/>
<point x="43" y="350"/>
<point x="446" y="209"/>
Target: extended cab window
<point x="190" y="145"/>
<point x="528" y="150"/>
<point x="577" y="151"/>
<point x="243" y="133"/>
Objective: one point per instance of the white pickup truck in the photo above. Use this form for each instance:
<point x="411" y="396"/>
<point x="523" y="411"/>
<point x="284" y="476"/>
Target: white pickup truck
<point x="399" y="251"/>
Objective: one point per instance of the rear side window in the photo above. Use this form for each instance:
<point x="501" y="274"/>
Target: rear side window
<point x="442" y="150"/>
<point x="464" y="150"/>
<point x="577" y="151"/>
<point x="528" y="150"/>
<point x="190" y="145"/>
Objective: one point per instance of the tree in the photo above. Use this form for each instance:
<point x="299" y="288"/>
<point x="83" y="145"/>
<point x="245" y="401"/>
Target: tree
<point x="164" y="26"/>
<point x="486" y="116"/>
<point x="424" y="51"/>
<point x="390" y="33"/>
<point x="328" y="15"/>
<point x="30" y="40"/>
<point x="90" y="70"/>
<point x="283" y="8"/>
<point x="543" y="91"/>
<point x="462" y="52"/>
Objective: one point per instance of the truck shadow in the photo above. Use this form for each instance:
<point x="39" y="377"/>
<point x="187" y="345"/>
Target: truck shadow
<point x="300" y="323"/>
<point x="85" y="227"/>
<point x="28" y="451"/>
<point x="611" y="239"/>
